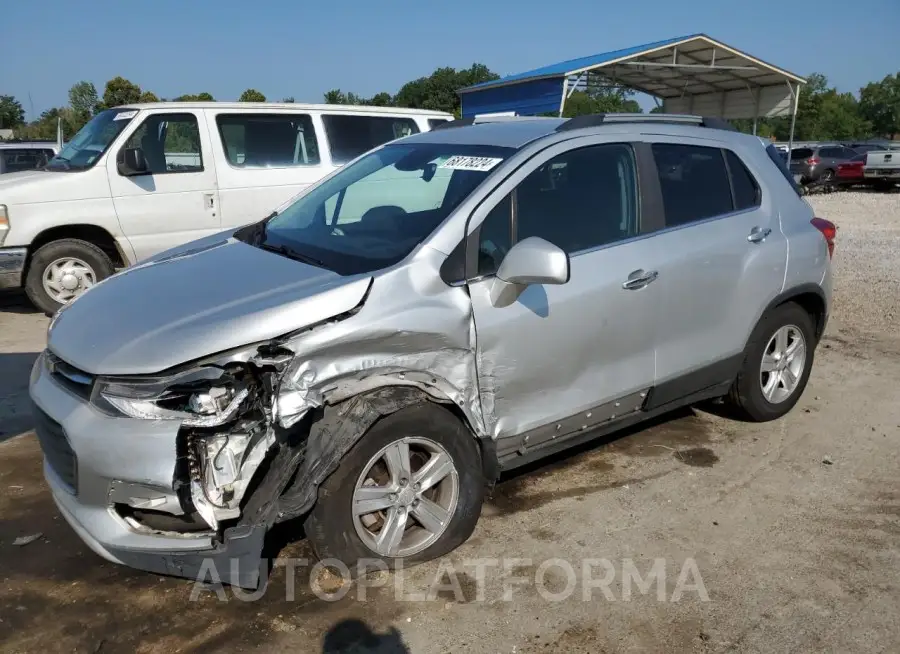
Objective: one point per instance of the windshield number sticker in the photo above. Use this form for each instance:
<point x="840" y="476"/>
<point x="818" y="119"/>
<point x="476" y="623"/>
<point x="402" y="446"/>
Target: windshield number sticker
<point x="481" y="164"/>
<point x="125" y="115"/>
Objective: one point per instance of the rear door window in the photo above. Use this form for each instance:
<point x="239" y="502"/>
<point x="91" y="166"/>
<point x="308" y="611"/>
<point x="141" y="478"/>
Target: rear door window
<point x="268" y="140"/>
<point x="831" y="153"/>
<point x="350" y="136"/>
<point x="694" y="182"/>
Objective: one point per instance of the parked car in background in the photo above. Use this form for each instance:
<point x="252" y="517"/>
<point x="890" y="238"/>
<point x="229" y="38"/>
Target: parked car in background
<point x="494" y="294"/>
<point x="140" y="179"/>
<point x="882" y="168"/>
<point x="16" y="156"/>
<point x="819" y="163"/>
<point x="863" y="148"/>
<point x="851" y="172"/>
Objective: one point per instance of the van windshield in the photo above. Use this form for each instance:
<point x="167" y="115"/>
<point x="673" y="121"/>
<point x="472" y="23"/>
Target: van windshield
<point x="92" y="140"/>
<point x="374" y="212"/>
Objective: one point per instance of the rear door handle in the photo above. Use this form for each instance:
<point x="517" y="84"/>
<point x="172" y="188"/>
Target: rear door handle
<point x="758" y="234"/>
<point x="639" y="279"/>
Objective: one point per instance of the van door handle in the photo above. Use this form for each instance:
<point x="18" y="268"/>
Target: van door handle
<point x="209" y="200"/>
<point x="639" y="279"/>
<point x="758" y="234"/>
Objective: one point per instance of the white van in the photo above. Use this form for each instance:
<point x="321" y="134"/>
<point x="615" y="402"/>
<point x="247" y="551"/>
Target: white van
<point x="140" y="179"/>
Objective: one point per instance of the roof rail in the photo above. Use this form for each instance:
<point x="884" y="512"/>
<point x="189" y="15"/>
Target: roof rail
<point x="594" y="120"/>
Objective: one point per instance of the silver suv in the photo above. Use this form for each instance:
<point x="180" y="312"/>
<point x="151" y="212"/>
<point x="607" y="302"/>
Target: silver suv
<point x="449" y="306"/>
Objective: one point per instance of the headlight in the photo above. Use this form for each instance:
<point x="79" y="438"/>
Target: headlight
<point x="4" y="223"/>
<point x="206" y="396"/>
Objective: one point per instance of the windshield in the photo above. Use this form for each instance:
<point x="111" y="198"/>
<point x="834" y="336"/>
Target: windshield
<point x="92" y="140"/>
<point x="374" y="212"/>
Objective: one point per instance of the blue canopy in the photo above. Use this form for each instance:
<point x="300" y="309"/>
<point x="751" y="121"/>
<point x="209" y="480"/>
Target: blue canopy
<point x="725" y="81"/>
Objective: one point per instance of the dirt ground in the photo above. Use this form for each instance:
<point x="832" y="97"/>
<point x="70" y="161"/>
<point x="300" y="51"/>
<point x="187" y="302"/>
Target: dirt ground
<point x="782" y="537"/>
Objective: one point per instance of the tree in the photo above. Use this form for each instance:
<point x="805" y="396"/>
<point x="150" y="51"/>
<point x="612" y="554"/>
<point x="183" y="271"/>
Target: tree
<point x="195" y="97"/>
<point x="438" y="91"/>
<point x="335" y="96"/>
<point x="599" y="101"/>
<point x="44" y="128"/>
<point x="11" y="112"/>
<point x="381" y="100"/>
<point x="148" y="96"/>
<point x="83" y="99"/>
<point x="120" y="91"/>
<point x="252" y="95"/>
<point x="879" y="103"/>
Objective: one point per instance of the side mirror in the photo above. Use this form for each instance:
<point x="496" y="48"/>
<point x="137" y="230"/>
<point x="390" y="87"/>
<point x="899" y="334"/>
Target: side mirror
<point x="530" y="261"/>
<point x="131" y="162"/>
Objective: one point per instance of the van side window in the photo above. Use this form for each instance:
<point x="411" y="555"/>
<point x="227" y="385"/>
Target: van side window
<point x="694" y="182"/>
<point x="579" y="200"/>
<point x="434" y="122"/>
<point x="170" y="143"/>
<point x="743" y="185"/>
<point x="349" y="136"/>
<point x="268" y="140"/>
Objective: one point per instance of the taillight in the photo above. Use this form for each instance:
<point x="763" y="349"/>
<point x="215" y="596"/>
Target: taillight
<point x="812" y="161"/>
<point x="829" y="231"/>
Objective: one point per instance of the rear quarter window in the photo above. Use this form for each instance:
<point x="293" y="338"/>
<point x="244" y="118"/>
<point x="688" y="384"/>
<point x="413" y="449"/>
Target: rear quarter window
<point x="779" y="163"/>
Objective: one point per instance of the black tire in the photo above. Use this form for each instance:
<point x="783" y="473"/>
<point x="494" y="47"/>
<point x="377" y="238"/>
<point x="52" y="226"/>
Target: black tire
<point x="89" y="253"/>
<point x="746" y="395"/>
<point x="329" y="526"/>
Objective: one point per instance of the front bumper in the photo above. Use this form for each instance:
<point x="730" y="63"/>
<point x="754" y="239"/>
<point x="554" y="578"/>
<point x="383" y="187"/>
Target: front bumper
<point x="91" y="457"/>
<point x="12" y="266"/>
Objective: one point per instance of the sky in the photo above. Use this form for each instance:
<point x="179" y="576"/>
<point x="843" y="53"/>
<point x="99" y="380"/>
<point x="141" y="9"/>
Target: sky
<point x="303" y="48"/>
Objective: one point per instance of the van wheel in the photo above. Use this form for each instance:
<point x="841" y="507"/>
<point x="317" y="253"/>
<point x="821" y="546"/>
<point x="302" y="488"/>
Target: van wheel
<point x="409" y="491"/>
<point x="61" y="271"/>
<point x="777" y="364"/>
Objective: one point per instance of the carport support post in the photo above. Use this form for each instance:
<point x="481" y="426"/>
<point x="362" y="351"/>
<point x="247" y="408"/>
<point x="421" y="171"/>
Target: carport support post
<point x="796" y="98"/>
<point x="562" y="100"/>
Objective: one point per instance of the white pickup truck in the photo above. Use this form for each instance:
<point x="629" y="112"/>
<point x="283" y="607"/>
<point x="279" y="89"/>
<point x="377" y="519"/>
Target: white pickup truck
<point x="883" y="167"/>
<point x="140" y="179"/>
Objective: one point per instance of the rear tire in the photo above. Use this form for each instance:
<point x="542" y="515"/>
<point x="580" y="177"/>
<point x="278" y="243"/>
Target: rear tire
<point x="759" y="394"/>
<point x="87" y="265"/>
<point x="336" y="533"/>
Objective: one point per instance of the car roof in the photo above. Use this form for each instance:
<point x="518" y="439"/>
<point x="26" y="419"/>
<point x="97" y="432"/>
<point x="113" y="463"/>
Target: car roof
<point x="519" y="131"/>
<point x="513" y="133"/>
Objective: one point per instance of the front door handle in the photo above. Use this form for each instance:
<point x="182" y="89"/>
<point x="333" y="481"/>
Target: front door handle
<point x="758" y="234"/>
<point x="639" y="279"/>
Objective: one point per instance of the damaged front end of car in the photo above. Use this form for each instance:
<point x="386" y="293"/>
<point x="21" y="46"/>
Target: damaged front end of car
<point x="263" y="427"/>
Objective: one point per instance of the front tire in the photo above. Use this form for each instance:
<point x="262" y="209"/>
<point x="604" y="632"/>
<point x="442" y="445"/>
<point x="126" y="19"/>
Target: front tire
<point x="61" y="271"/>
<point x="777" y="363"/>
<point x="409" y="491"/>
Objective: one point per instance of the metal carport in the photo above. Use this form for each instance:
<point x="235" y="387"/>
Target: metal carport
<point x="689" y="75"/>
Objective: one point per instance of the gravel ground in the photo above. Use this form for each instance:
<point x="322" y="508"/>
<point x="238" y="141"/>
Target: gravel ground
<point x="867" y="257"/>
<point x="792" y="525"/>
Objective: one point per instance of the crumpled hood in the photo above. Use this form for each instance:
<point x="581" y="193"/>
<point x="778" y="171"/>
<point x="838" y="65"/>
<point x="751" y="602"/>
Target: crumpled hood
<point x="200" y="299"/>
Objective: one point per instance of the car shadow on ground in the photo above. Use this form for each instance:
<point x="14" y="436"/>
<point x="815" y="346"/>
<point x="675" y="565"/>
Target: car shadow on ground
<point x="15" y="407"/>
<point x="16" y="302"/>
